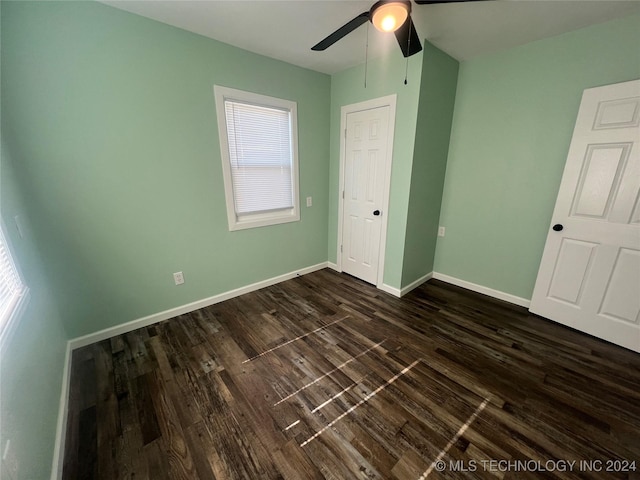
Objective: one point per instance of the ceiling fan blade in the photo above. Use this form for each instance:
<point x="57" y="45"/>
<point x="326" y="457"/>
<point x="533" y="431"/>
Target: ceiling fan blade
<point x="434" y="2"/>
<point x="341" y="32"/>
<point x="408" y="38"/>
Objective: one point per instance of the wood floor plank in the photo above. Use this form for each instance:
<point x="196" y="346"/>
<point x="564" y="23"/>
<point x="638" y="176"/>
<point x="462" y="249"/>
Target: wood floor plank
<point x="326" y="377"/>
<point x="108" y="417"/>
<point x="199" y="443"/>
<point x="88" y="450"/>
<point x="294" y="464"/>
<point x="180" y="462"/>
<point x="157" y="460"/>
<point x="147" y="418"/>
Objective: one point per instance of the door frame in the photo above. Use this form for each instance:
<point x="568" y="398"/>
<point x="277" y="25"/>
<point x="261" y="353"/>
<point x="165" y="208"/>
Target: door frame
<point x="388" y="101"/>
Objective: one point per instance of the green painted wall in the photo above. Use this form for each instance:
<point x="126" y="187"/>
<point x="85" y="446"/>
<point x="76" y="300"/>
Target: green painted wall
<point x="433" y="129"/>
<point x="112" y="118"/>
<point x="32" y="359"/>
<point x="385" y="77"/>
<point x="513" y="122"/>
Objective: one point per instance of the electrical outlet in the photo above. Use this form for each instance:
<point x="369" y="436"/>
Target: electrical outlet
<point x="441" y="231"/>
<point x="178" y="277"/>
<point x="309" y="201"/>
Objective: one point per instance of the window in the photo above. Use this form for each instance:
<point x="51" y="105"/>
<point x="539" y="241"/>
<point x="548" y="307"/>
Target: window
<point x="12" y="290"/>
<point x="258" y="143"/>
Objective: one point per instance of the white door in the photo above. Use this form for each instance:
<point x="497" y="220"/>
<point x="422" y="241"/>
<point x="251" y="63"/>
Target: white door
<point x="366" y="154"/>
<point x="589" y="276"/>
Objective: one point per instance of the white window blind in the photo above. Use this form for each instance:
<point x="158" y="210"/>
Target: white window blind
<point x="259" y="151"/>
<point x="260" y="157"/>
<point x="11" y="287"/>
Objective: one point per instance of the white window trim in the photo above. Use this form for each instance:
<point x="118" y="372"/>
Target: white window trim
<point x="12" y="312"/>
<point x="266" y="218"/>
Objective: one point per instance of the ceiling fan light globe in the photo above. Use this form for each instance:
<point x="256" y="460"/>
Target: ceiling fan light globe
<point x="388" y="23"/>
<point x="388" y="17"/>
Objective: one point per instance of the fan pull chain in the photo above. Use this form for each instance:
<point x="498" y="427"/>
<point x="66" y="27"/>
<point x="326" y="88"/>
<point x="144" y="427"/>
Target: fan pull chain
<point x="406" y="69"/>
<point x="366" y="57"/>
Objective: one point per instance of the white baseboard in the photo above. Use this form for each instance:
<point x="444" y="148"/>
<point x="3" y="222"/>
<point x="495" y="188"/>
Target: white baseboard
<point x="401" y="292"/>
<point x="61" y="428"/>
<point x="190" y="307"/>
<point x="507" y="297"/>
<point x="416" y="284"/>
<point x="391" y="290"/>
<point x="384" y="287"/>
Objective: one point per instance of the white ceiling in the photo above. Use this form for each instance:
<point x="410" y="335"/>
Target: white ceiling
<point x="287" y="29"/>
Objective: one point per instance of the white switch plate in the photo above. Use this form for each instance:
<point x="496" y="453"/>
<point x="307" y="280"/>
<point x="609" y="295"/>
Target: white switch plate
<point x="178" y="277"/>
<point x="309" y="201"/>
<point x="441" y="231"/>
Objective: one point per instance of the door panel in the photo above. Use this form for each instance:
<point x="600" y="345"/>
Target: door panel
<point x="572" y="268"/>
<point x="620" y="113"/>
<point x="621" y="299"/>
<point x="589" y="276"/>
<point x="599" y="180"/>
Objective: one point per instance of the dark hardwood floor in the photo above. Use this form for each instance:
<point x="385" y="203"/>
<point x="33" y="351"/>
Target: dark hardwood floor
<point x="324" y="376"/>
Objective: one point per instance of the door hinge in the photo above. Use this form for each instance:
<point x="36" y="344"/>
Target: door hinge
<point x="340" y="248"/>
<point x="343" y="194"/>
<point x="345" y="133"/>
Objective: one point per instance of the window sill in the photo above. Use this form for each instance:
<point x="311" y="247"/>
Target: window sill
<point x="263" y="220"/>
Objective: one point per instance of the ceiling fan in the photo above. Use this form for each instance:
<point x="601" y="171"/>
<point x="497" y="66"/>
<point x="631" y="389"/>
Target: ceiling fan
<point x="387" y="16"/>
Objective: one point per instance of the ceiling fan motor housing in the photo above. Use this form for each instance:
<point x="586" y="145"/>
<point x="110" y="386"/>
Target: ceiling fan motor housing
<point x="389" y="15"/>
